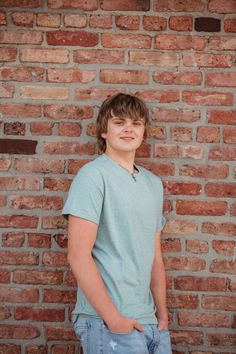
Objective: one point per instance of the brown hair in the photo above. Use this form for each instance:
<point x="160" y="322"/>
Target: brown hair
<point x="120" y="105"/>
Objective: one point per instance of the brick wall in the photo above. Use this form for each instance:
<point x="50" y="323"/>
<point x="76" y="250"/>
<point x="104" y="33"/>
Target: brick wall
<point x="59" y="60"/>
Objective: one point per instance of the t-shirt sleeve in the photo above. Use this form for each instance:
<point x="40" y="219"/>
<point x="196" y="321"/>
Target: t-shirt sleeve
<point x="85" y="197"/>
<point x="161" y="219"/>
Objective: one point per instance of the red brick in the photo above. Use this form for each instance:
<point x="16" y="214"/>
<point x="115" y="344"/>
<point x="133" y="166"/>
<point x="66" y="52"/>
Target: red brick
<point x="11" y="294"/>
<point x="91" y="130"/>
<point x="44" y="277"/>
<point x="64" y="148"/>
<point x="165" y="150"/>
<point x="55" y="259"/>
<point x="67" y="38"/>
<point x="183" y="188"/>
<point x="219" y="302"/>
<point x="21" y="36"/>
<point x="69" y="129"/>
<point x="176" y="5"/>
<point x="59" y="296"/>
<point x="125" y="22"/>
<point x="94" y="93"/>
<point x="229" y="135"/>
<point x="224" y="247"/>
<point x="220" y="79"/>
<point x="154" y="23"/>
<point x="208" y="98"/>
<point x="179" y="227"/>
<point x="193" y="264"/>
<point x="186" y="337"/>
<point x="191" y="283"/>
<point x="178" y="42"/>
<point x="13" y="239"/>
<point x="44" y="55"/>
<point x="23" y="19"/>
<point x="100" y="21"/>
<point x="123" y="76"/>
<point x="221" y="43"/>
<point x="60" y="333"/>
<point x="207" y="60"/>
<point x="222" y="153"/>
<point x="222" y="339"/>
<point x="18" y="258"/>
<point x="70" y="279"/>
<point x="39" y="166"/>
<point x="10" y="348"/>
<point x="20" y="110"/>
<point x="157" y="132"/>
<point x="4" y="277"/>
<point x="43" y="202"/>
<point x="68" y="111"/>
<point x="225" y="190"/>
<point x="161" y="96"/>
<point x="177" y="78"/>
<point x="98" y="56"/>
<point x="61" y="240"/>
<point x="3" y="200"/>
<point x="153" y="58"/>
<point x="41" y="128"/>
<point x="123" y="5"/>
<point x="224" y="228"/>
<point x="57" y="184"/>
<point x="181" y="23"/>
<point x="175" y="300"/>
<point x="222" y="117"/>
<point x="208" y="135"/>
<point x="6" y="90"/>
<point x="48" y="20"/>
<point x="223" y="266"/>
<point x="18" y="332"/>
<point x="70" y="75"/>
<point x="195" y="319"/>
<point x="54" y="222"/>
<point x="159" y="169"/>
<point x="198" y="207"/>
<point x="3" y="18"/>
<point x="30" y="74"/>
<point x="19" y="221"/>
<point x="204" y="171"/>
<point x="192" y="151"/>
<point x="196" y="246"/>
<point x="63" y="348"/>
<point x="74" y="20"/>
<point x="5" y="164"/>
<point x="230" y="25"/>
<point x="181" y="134"/>
<point x="4" y="314"/>
<point x="44" y="92"/>
<point x="73" y="4"/>
<point x="222" y="7"/>
<point x="19" y="183"/>
<point x="39" y="314"/>
<point x="144" y="150"/>
<point x="22" y="3"/>
<point x="139" y="41"/>
<point x="176" y="115"/>
<point x="8" y="54"/>
<point x="36" y="240"/>
<point x="75" y="165"/>
<point x="170" y="245"/>
<point x="36" y="349"/>
<point x="14" y="128"/>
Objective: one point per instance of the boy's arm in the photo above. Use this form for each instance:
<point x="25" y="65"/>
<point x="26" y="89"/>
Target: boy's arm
<point x="158" y="285"/>
<point x="81" y="238"/>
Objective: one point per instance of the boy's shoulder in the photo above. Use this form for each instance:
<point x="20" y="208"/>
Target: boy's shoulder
<point x="93" y="167"/>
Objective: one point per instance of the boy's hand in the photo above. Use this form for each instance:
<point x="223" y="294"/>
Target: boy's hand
<point x="162" y="324"/>
<point x="124" y="325"/>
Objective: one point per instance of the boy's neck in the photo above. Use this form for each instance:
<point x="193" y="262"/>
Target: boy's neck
<point x="125" y="160"/>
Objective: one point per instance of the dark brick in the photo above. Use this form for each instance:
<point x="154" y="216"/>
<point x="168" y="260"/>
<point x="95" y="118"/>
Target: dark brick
<point x="17" y="146"/>
<point x="207" y="24"/>
<point x="15" y="128"/>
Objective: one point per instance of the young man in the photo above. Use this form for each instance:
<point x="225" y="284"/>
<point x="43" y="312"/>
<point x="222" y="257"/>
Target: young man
<point x="115" y="223"/>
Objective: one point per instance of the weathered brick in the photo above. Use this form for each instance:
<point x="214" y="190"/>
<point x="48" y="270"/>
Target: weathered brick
<point x="6" y="90"/>
<point x="18" y="258"/>
<point x="219" y="302"/>
<point x="225" y="190"/>
<point x="18" y="332"/>
<point x="224" y="228"/>
<point x="61" y="240"/>
<point x="59" y="296"/>
<point x="207" y="60"/>
<point x="8" y="54"/>
<point x="195" y="319"/>
<point x="98" y="56"/>
<point x="39" y="240"/>
<point x="22" y="73"/>
<point x="21" y="3"/>
<point x="69" y="129"/>
<point x="197" y="246"/>
<point x="154" y="23"/>
<point x="181" y="23"/>
<point x="57" y="184"/>
<point x="39" y="166"/>
<point x="5" y="164"/>
<point x="139" y="41"/>
<point x="4" y="314"/>
<point x="177" y="78"/>
<point x="68" y="111"/>
<point x="19" y="221"/>
<point x="230" y="25"/>
<point x="75" y="165"/>
<point x="153" y="58"/>
<point x="204" y="171"/>
<point x="166" y="150"/>
<point x="229" y="135"/>
<point x="70" y="75"/>
<point x="207" y="24"/>
<point x="176" y="5"/>
<point x="94" y="93"/>
<point x="23" y="19"/>
<point x="178" y="42"/>
<point x="17" y="110"/>
<point x="44" y="55"/>
<point x="82" y="38"/>
<point x="3" y="18"/>
<point x="191" y="283"/>
<point x="54" y="222"/>
<point x="10" y="348"/>
<point x="70" y="279"/>
<point x="65" y="148"/>
<point x="60" y="333"/>
<point x="14" y="128"/>
<point x="176" y="115"/>
<point x="208" y="98"/>
<point x="11" y="294"/>
<point x="4" y="278"/>
<point x="44" y="202"/>
<point x="220" y="79"/>
<point x="157" y="132"/>
<point x="13" y="239"/>
<point x="175" y="188"/>
<point x="187" y="337"/>
<point x="198" y="207"/>
<point x="74" y="20"/>
<point x="100" y="21"/>
<point x="55" y="259"/>
<point x="44" y="92"/>
<point x="233" y="209"/>
<point x="161" y="96"/>
<point x="125" y="22"/>
<point x="19" y="183"/>
<point x="222" y="339"/>
<point x="193" y="264"/>
<point x="221" y="7"/>
<point x="224" y="247"/>
<point x="20" y="36"/>
<point x="63" y="348"/>
<point x="179" y="227"/>
<point x="73" y="4"/>
<point x="222" y="153"/>
<point x="192" y="151"/>
<point x="170" y="245"/>
<point x="208" y="135"/>
<point x="48" y="20"/>
<point x="36" y="349"/>
<point x="41" y="128"/>
<point x="44" y="277"/>
<point x="176" y="300"/>
<point x="122" y="5"/>
<point x="39" y="314"/>
<point x="222" y="117"/>
<point x="223" y="266"/>
<point x="181" y="134"/>
<point x="159" y="169"/>
<point x="111" y="76"/>
<point x="221" y="43"/>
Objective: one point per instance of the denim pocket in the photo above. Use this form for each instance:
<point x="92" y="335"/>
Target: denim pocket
<point x="117" y="333"/>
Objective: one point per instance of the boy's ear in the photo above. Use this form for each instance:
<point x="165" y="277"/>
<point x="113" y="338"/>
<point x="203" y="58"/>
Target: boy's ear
<point x="104" y="135"/>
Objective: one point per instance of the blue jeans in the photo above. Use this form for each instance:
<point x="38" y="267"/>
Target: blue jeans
<point x="96" y="338"/>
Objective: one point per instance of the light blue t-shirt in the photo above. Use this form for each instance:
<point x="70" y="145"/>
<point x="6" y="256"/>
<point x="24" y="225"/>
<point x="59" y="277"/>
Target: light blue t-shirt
<point x="128" y="211"/>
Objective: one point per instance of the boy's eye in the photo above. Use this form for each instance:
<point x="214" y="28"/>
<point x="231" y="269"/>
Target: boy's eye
<point x="118" y="122"/>
<point x="138" y="122"/>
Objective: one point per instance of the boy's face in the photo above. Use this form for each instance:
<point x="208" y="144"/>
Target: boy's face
<point x="124" y="134"/>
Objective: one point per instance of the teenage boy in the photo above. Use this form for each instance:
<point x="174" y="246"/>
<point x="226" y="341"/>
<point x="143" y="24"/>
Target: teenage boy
<point x="115" y="223"/>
